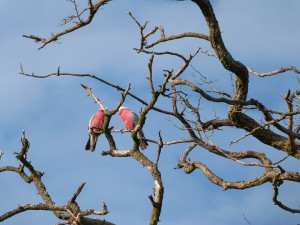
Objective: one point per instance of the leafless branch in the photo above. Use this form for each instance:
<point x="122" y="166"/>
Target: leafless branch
<point x="77" y="192"/>
<point x="92" y="11"/>
<point x="225" y="154"/>
<point x="160" y="146"/>
<point x="95" y="98"/>
<point x="117" y="87"/>
<point x="150" y="73"/>
<point x="210" y="83"/>
<point x="182" y="159"/>
<point x="116" y="153"/>
<point x="162" y="53"/>
<point x="178" y="36"/>
<point x="281" y="160"/>
<point x="71" y="212"/>
<point x="289" y="103"/>
<point x="157" y="27"/>
<point x="170" y="142"/>
<point x="276" y="182"/>
<point x="163" y="37"/>
<point x="23" y="208"/>
<point x="185" y="65"/>
<point x="92" y="211"/>
<point x="142" y="27"/>
<point x="246" y="219"/>
<point x="257" y="128"/>
<point x="209" y="54"/>
<point x="275" y="72"/>
<point x="78" y="14"/>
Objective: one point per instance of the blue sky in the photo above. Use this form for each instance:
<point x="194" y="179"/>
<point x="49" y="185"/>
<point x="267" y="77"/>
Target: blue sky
<point x="55" y="112"/>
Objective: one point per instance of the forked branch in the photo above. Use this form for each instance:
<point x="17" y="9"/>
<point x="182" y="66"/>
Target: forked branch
<point x="93" y="9"/>
<point x="70" y="213"/>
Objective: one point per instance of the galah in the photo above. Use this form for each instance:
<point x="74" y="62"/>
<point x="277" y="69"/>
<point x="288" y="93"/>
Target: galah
<point x="130" y="120"/>
<point x="95" y="121"/>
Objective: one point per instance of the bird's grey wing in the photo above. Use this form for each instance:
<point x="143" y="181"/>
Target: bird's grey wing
<point x="135" y="118"/>
<point x="140" y="134"/>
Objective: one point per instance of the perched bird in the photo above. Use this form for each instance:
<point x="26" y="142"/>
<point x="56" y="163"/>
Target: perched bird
<point x="95" y="121"/>
<point x="130" y="120"/>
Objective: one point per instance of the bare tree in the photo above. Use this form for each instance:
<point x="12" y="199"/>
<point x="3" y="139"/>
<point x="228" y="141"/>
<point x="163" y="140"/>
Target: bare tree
<point x="279" y="130"/>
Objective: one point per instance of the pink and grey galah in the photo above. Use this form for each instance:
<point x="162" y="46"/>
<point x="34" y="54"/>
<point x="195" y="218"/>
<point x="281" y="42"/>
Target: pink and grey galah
<point x="130" y="120"/>
<point x="96" y="121"/>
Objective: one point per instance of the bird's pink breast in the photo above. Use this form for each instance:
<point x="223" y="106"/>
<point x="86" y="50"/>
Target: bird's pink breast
<point x="98" y="120"/>
<point x="127" y="119"/>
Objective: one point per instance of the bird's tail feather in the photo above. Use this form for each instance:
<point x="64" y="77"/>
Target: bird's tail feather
<point x="91" y="144"/>
<point x="143" y="144"/>
<point x="87" y="147"/>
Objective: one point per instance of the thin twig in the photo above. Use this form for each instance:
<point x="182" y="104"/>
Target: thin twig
<point x="246" y="219"/>
<point x="95" y="98"/>
<point x="150" y="73"/>
<point x="160" y="146"/>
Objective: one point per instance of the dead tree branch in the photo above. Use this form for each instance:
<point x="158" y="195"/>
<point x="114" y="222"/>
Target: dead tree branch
<point x="23" y="208"/>
<point x="143" y="43"/>
<point x="95" y="98"/>
<point x="117" y="87"/>
<point x="272" y="73"/>
<point x="93" y="9"/>
<point x="276" y="183"/>
<point x="70" y="213"/>
<point x="275" y="72"/>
